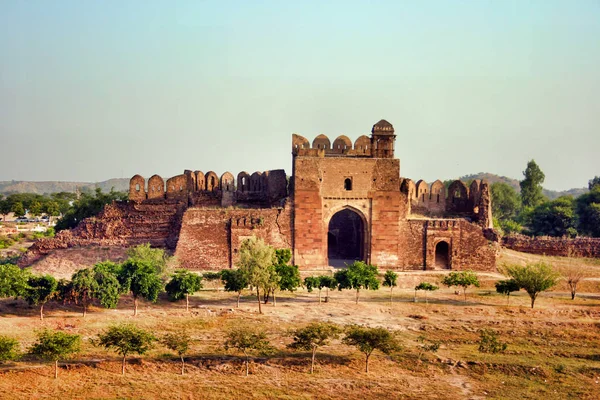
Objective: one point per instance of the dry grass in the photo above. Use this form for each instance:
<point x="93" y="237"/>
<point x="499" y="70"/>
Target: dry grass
<point x="552" y="351"/>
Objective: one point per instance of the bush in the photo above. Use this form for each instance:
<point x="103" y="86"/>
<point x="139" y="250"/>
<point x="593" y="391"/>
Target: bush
<point x="489" y="343"/>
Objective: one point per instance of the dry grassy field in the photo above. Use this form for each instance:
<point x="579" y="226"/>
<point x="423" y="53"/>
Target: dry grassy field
<point x="553" y="350"/>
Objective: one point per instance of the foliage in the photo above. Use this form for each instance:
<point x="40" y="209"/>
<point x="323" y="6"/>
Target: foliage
<point x="463" y="279"/>
<point x="178" y="342"/>
<point x="247" y="341"/>
<point x="426" y="345"/>
<point x="9" y="348"/>
<point x="55" y="345"/>
<point x="554" y="218"/>
<point x="595" y="181"/>
<point x="357" y="276"/>
<point x="368" y="340"/>
<point x="533" y="278"/>
<point x="531" y="185"/>
<point x="508" y="226"/>
<point x="234" y="281"/>
<point x="18" y="209"/>
<point x="40" y="289"/>
<point x="87" y="205"/>
<point x="313" y="336"/>
<point x="212" y="276"/>
<point x="158" y="258"/>
<point x="390" y="279"/>
<point x="13" y="280"/>
<point x="427" y="287"/>
<point x="108" y="289"/>
<point x="505" y="201"/>
<point x="84" y="287"/>
<point x="182" y="284"/>
<point x="126" y="339"/>
<point x="289" y="277"/>
<point x="489" y="343"/>
<point x="141" y="279"/>
<point x="256" y="263"/>
<point x="588" y="211"/>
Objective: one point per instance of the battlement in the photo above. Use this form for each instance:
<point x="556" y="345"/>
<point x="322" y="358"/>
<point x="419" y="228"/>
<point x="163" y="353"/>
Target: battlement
<point x="379" y="145"/>
<point x="199" y="189"/>
<point x="434" y="200"/>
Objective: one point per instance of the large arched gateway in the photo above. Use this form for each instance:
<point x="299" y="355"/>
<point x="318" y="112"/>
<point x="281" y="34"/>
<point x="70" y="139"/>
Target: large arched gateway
<point x="345" y="237"/>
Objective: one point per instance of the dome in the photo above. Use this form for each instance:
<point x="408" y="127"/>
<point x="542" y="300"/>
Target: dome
<point x="383" y="127"/>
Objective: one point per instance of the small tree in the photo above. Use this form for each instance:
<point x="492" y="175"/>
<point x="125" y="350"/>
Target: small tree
<point x="489" y="342"/>
<point x="368" y="340"/>
<point x="463" y="279"/>
<point x="389" y="279"/>
<point x="427" y="287"/>
<point x="234" y="280"/>
<point x="311" y="283"/>
<point x="140" y="278"/>
<point x="84" y="287"/>
<point x="426" y="345"/>
<point x="533" y="278"/>
<point x="289" y="278"/>
<point x="313" y="336"/>
<point x="573" y="275"/>
<point x="506" y="287"/>
<point x="178" y="342"/>
<point x="256" y="263"/>
<point x="357" y="276"/>
<point x="18" y="209"/>
<point x="54" y="346"/>
<point x="182" y="284"/>
<point x="143" y="253"/>
<point x="9" y="349"/>
<point x="247" y="341"/>
<point x="108" y="288"/>
<point x="326" y="282"/>
<point x="40" y="289"/>
<point x="125" y="339"/>
<point x="13" y="280"/>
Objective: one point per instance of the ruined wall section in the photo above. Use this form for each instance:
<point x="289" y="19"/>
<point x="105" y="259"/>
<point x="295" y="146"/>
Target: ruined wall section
<point x="552" y="246"/>
<point x="210" y="238"/>
<point x="120" y="224"/>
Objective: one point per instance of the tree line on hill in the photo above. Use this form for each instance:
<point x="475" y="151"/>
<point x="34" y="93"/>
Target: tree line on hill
<point x="530" y="212"/>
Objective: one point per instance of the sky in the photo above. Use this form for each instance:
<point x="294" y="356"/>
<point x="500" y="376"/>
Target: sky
<point x="92" y="90"/>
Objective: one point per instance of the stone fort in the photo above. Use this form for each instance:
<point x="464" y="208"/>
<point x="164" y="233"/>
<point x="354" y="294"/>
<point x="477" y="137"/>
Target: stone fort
<point x="344" y="201"/>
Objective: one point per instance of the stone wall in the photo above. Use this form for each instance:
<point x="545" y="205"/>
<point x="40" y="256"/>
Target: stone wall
<point x="210" y="238"/>
<point x="551" y="246"/>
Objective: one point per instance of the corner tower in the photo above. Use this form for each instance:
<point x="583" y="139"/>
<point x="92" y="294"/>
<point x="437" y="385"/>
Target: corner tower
<point x="383" y="139"/>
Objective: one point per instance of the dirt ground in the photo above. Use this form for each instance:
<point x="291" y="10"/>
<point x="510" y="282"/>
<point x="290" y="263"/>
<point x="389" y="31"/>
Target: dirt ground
<point x="553" y="350"/>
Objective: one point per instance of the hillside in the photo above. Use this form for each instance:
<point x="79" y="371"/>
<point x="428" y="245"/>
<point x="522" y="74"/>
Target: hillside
<point x="119" y="184"/>
<point x="551" y="194"/>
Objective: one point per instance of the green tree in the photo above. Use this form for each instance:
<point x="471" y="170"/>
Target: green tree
<point x="247" y="341"/>
<point x="531" y="185"/>
<point x="463" y="279"/>
<point x="289" y="277"/>
<point x="533" y="278"/>
<point x="234" y="281"/>
<point x="256" y="263"/>
<point x="178" y="342"/>
<point x="18" y="209"/>
<point x="554" y="218"/>
<point x="158" y="258"/>
<point x="87" y="205"/>
<point x="390" y="280"/>
<point x="35" y="209"/>
<point x="357" y="276"/>
<point x="427" y="287"/>
<point x="506" y="287"/>
<point x="40" y="290"/>
<point x="182" y="284"/>
<point x="52" y="209"/>
<point x="588" y="212"/>
<point x="311" y="283"/>
<point x="54" y="346"/>
<point x="84" y="287"/>
<point x="126" y="339"/>
<point x="13" y="280"/>
<point x="5" y="208"/>
<point x="108" y="289"/>
<point x="140" y="278"/>
<point x="505" y="201"/>
<point x="313" y="336"/>
<point x="368" y="340"/>
<point x="595" y="181"/>
<point x="9" y="348"/>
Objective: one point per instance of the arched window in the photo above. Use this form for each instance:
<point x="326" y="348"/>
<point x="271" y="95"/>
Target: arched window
<point x="137" y="187"/>
<point x="348" y="184"/>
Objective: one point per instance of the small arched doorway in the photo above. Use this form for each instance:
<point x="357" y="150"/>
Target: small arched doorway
<point x="345" y="238"/>
<point x="442" y="255"/>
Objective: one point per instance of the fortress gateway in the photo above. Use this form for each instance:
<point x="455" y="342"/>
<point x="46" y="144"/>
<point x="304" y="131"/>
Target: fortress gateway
<point x="343" y="202"/>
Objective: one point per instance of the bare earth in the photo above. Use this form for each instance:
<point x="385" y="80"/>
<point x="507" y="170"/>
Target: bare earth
<point x="553" y="350"/>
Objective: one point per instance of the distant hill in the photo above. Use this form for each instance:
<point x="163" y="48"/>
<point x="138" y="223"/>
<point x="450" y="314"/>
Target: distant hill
<point x="551" y="194"/>
<point x="120" y="184"/>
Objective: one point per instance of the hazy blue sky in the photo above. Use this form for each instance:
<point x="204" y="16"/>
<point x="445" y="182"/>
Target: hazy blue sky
<point x="91" y="90"/>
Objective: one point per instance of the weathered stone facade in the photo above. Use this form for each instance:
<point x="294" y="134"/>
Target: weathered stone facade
<point x="343" y="202"/>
